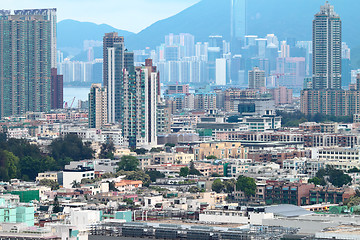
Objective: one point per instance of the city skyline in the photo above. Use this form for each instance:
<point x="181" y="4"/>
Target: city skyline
<point x="122" y="15"/>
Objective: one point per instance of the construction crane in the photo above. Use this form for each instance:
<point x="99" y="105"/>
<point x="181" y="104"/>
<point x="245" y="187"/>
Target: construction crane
<point x="72" y="102"/>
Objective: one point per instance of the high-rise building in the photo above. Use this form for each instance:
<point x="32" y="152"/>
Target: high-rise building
<point x="139" y="105"/>
<point x="238" y="24"/>
<point x="132" y="95"/>
<point x="327" y="97"/>
<point x="108" y="42"/>
<point x="56" y="80"/>
<point x="57" y="84"/>
<point x="50" y="15"/>
<point x="25" y="75"/>
<point x="327" y="49"/>
<point x="256" y="78"/>
<point x="97" y="106"/>
<point x="115" y="64"/>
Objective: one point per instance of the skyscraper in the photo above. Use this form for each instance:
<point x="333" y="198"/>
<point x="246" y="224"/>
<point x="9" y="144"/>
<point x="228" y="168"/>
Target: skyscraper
<point x="97" y="106"/>
<point x="108" y="42"/>
<point x="56" y="80"/>
<point x="139" y="105"/>
<point x="327" y="49"/>
<point x="238" y="24"/>
<point x="50" y="15"/>
<point x="25" y="64"/>
<point x="114" y="64"/>
<point x="132" y="94"/>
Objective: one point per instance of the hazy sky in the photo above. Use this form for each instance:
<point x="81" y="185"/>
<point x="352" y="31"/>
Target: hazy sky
<point x="131" y="15"/>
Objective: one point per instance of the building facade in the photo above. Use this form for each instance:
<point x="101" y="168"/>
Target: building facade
<point x="25" y="68"/>
<point x="256" y="78"/>
<point x="327" y="46"/>
<point x="97" y="106"/>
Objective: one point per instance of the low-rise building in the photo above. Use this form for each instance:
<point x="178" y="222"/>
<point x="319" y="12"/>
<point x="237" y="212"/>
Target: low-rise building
<point x="221" y="150"/>
<point x="128" y="185"/>
<point x="68" y="177"/>
<point x="53" y="176"/>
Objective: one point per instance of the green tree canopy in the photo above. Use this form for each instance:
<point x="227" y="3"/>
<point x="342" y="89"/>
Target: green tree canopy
<point x="49" y="183"/>
<point x="70" y="146"/>
<point x="246" y="185"/>
<point x="317" y="181"/>
<point x="193" y="170"/>
<point x="9" y="166"/>
<point x="140" y="151"/>
<point x="184" y="172"/>
<point x="218" y="186"/>
<point x="107" y="150"/>
<point x="230" y="185"/>
<point x="156" y="150"/>
<point x="211" y="157"/>
<point x="336" y="177"/>
<point x="155" y="175"/>
<point x="137" y="175"/>
<point x="128" y="163"/>
<point x="56" y="205"/>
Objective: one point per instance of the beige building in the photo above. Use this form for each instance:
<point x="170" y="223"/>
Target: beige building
<point x="256" y="78"/>
<point x="207" y="169"/>
<point x="221" y="150"/>
<point x="47" y="175"/>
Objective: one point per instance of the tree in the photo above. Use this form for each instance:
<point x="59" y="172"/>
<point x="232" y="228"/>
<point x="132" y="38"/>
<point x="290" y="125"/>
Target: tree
<point x="317" y="181"/>
<point x="211" y="157"/>
<point x="218" y="186"/>
<point x="56" y="205"/>
<point x="138" y="175"/>
<point x="50" y="183"/>
<point x="170" y="145"/>
<point x="9" y="164"/>
<point x="75" y="184"/>
<point x="193" y="170"/>
<point x="156" y="150"/>
<point x="128" y="163"/>
<point x="246" y="185"/>
<point x="70" y="146"/>
<point x="184" y="172"/>
<point x="140" y="151"/>
<point x="338" y="178"/>
<point x="354" y="170"/>
<point x="107" y="150"/>
<point x="194" y="189"/>
<point x="12" y="164"/>
<point x="230" y="185"/>
<point x="155" y="175"/>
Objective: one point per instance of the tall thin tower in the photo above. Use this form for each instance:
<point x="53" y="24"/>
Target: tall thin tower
<point x="238" y="24"/>
<point x="108" y="42"/>
<point x="327" y="49"/>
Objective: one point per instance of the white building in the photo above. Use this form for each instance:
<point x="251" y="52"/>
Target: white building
<point x="339" y="157"/>
<point x="67" y="177"/>
<point x="221" y="71"/>
<point x="235" y="216"/>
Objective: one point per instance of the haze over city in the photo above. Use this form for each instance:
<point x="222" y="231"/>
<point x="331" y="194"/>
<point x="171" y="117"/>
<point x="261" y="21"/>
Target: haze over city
<point x="198" y="119"/>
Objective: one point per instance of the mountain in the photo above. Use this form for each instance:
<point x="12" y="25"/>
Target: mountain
<point x="284" y="18"/>
<point x="71" y="34"/>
